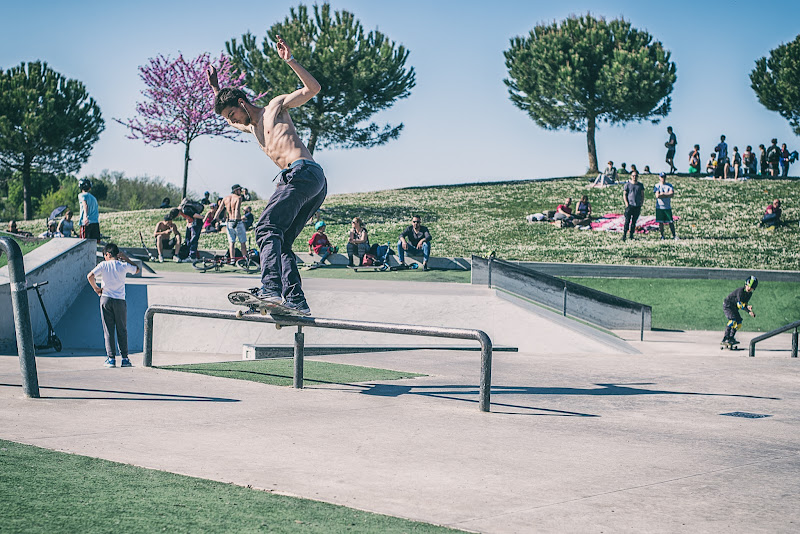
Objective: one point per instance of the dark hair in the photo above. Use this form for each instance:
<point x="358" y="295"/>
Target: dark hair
<point x="697" y="147"/>
<point x="172" y="214"/>
<point x="112" y="249"/>
<point x="228" y="97"/>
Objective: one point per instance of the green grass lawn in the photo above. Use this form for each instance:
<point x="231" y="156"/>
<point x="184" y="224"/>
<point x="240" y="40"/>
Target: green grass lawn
<point x="280" y="372"/>
<point x="47" y="491"/>
<point x="697" y="304"/>
<point x="717" y="222"/>
<point x="26" y="247"/>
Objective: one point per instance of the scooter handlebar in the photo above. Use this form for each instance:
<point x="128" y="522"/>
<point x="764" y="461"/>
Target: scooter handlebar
<point x="38" y="284"/>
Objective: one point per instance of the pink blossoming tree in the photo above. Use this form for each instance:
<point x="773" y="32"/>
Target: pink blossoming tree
<point x="179" y="105"/>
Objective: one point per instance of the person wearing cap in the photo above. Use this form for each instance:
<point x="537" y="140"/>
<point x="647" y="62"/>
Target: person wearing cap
<point x="232" y="205"/>
<point x="415" y="239"/>
<point x="302" y="186"/>
<point x="89" y="218"/>
<point x="206" y="199"/>
<point x="739" y="299"/>
<point x="663" y="191"/>
<point x="319" y="244"/>
<point x="52" y="230"/>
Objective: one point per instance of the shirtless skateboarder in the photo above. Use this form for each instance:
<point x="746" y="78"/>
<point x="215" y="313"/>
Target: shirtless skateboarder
<point x="302" y="185"/>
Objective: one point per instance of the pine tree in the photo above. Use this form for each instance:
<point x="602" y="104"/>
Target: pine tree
<point x="48" y="124"/>
<point x="584" y="70"/>
<point x="776" y="82"/>
<point x="360" y="74"/>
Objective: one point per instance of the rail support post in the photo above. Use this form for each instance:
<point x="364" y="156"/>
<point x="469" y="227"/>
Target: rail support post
<point x="565" y="300"/>
<point x="299" y="344"/>
<point x="794" y="343"/>
<point x="22" y="317"/>
<point x="641" y="330"/>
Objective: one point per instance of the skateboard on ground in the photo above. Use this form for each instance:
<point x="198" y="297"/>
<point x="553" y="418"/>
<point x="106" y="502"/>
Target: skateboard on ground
<point x="385" y="267"/>
<point x="730" y="346"/>
<point x="312" y="266"/>
<point x="257" y="305"/>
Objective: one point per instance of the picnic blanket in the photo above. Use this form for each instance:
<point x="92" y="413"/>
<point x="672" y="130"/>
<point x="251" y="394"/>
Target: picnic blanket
<point x="615" y="222"/>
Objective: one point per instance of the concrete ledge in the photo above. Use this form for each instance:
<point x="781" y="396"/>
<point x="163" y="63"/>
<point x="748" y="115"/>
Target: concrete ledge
<point x="64" y="263"/>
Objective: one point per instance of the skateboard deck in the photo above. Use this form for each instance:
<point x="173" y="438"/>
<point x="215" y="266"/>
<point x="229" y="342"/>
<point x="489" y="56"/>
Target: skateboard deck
<point x="256" y="305"/>
<point x="384" y="267"/>
<point x="729" y="346"/>
<point x="312" y="266"/>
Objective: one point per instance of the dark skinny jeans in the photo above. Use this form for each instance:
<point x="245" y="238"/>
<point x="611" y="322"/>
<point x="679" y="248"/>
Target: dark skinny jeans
<point x="631" y="216"/>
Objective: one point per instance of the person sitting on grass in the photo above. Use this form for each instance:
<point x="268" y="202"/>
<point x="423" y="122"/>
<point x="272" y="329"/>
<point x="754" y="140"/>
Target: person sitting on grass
<point x="694" y="160"/>
<point x="711" y="164"/>
<point x="623" y="169"/>
<point x="66" y="225"/>
<point x="772" y="215"/>
<point x="163" y="232"/>
<point x="584" y="208"/>
<point x="248" y="218"/>
<point x="51" y="231"/>
<point x="319" y="244"/>
<point x="564" y="211"/>
<point x="608" y="177"/>
<point x="357" y="242"/>
<point x="12" y="229"/>
<point x="210" y="222"/>
<point x="415" y="239"/>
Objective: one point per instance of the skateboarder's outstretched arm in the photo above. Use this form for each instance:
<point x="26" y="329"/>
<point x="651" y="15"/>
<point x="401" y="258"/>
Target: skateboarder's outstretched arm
<point x="310" y="85"/>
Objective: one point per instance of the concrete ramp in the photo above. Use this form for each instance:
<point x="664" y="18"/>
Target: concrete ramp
<point x="420" y="303"/>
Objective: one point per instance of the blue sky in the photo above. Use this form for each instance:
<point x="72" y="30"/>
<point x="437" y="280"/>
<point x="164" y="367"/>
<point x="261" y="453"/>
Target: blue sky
<point x="459" y="123"/>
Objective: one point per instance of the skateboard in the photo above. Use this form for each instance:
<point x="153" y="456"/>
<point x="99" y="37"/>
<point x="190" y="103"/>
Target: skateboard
<point x="312" y="266"/>
<point x="384" y="267"/>
<point x="730" y="346"/>
<point x="256" y="305"/>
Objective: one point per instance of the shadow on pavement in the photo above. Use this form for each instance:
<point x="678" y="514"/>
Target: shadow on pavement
<point x="139" y="396"/>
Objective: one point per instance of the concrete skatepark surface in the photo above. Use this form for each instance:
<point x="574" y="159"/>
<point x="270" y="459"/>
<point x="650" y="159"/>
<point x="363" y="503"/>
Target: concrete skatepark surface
<point x="581" y="438"/>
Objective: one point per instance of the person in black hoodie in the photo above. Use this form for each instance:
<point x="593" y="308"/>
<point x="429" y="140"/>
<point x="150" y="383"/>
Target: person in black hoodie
<point x="738" y="300"/>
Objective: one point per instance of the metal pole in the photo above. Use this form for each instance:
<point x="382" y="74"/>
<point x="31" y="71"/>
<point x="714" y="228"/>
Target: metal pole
<point x="490" y="270"/>
<point x="794" y="344"/>
<point x="565" y="300"/>
<point x="22" y="317"/>
<point x="147" y="360"/>
<point x="299" y="343"/>
<point x="641" y="330"/>
<point x="486" y="372"/>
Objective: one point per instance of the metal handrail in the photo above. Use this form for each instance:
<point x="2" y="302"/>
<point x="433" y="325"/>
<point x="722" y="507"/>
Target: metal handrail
<point x="300" y="322"/>
<point x="22" y="317"/>
<point x="762" y="337"/>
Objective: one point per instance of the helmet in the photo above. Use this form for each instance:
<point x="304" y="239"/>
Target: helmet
<point x="85" y="184"/>
<point x="319" y="225"/>
<point x="751" y="282"/>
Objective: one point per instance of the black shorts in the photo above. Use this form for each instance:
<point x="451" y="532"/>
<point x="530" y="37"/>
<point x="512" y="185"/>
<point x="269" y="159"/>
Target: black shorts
<point x="169" y="243"/>
<point x="91" y="231"/>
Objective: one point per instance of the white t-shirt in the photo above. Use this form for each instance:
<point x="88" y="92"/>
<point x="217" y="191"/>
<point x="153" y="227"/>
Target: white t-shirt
<point x="663" y="203"/>
<point x="113" y="273"/>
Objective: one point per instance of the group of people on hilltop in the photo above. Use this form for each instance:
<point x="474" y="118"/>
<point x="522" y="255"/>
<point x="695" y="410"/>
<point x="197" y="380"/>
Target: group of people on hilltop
<point x="414" y="240"/>
<point x="772" y="161"/>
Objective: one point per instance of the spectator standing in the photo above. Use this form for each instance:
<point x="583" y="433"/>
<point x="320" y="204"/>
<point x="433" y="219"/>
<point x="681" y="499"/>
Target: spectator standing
<point x="633" y="196"/>
<point x="749" y="160"/>
<point x="721" y="149"/>
<point x="694" y="160"/>
<point x="232" y="204"/>
<point x="737" y="163"/>
<point x="248" y="218"/>
<point x="663" y="191"/>
<point x="773" y="157"/>
<point x="415" y="239"/>
<point x="784" y="160"/>
<point x="762" y="159"/>
<point x="671" y="143"/>
<point x="164" y="203"/>
<point x="193" y="213"/>
<point x="163" y="232"/>
<point x="319" y="244"/>
<point x="113" y="308"/>
<point x="357" y="241"/>
<point x="89" y="218"/>
<point x="66" y="225"/>
<point x="772" y="215"/>
<point x="206" y="200"/>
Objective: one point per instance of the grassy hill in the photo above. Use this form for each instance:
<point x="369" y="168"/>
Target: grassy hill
<point x="717" y="226"/>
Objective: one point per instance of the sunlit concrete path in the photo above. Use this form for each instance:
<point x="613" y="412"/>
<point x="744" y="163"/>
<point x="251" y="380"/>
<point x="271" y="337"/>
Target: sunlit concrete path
<point x="579" y="440"/>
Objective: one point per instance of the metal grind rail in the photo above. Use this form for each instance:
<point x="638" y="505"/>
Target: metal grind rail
<point x="785" y="328"/>
<point x="300" y="322"/>
<point x="22" y="317"/>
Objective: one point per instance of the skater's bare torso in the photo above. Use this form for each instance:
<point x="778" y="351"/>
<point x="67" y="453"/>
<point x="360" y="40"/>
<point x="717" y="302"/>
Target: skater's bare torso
<point x="271" y="125"/>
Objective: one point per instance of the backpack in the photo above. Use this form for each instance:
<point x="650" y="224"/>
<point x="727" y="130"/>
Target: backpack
<point x="190" y="207"/>
<point x="377" y="255"/>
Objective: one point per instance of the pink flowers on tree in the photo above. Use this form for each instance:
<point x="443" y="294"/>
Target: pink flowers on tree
<point x="179" y="105"/>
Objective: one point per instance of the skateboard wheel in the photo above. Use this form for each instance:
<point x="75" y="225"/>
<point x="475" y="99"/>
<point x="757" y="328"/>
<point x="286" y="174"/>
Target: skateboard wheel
<point x="263" y="312"/>
<point x="239" y="314"/>
<point x="277" y="326"/>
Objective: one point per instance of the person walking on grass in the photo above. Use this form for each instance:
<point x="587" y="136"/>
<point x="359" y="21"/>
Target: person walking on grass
<point x="633" y="196"/>
<point x="664" y="192"/>
<point x="671" y="143"/>
<point x="738" y="300"/>
<point x="113" y="308"/>
<point x="302" y="186"/>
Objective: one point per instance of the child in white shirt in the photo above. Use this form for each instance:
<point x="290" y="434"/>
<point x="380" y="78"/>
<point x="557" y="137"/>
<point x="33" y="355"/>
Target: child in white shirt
<point x="113" y="309"/>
